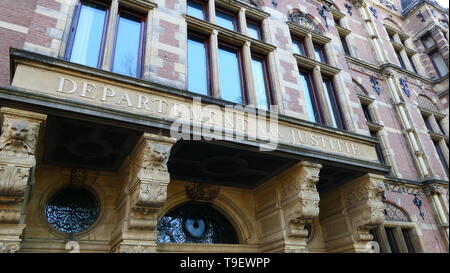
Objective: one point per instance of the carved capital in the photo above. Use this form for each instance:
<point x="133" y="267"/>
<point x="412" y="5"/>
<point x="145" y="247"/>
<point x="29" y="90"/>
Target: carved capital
<point x="202" y="191"/>
<point x="13" y="180"/>
<point x="433" y="189"/>
<point x="358" y="3"/>
<point x="388" y="73"/>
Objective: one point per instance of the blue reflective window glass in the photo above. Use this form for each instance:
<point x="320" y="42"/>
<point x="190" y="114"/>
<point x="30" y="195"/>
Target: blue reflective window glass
<point x="196" y="9"/>
<point x="253" y="30"/>
<point x="308" y="94"/>
<point x="128" y="45"/>
<point x="332" y="104"/>
<point x="88" y="38"/>
<point x="318" y="53"/>
<point x="299" y="47"/>
<point x="225" y="20"/>
<point x="230" y="75"/>
<point x="259" y="75"/>
<point x="197" y="66"/>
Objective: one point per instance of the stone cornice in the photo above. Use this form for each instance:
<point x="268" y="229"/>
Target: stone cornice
<point x="343" y="31"/>
<point x="415" y="6"/>
<point x="253" y="12"/>
<point x="310" y="64"/>
<point x="303" y="31"/>
<point x="139" y="5"/>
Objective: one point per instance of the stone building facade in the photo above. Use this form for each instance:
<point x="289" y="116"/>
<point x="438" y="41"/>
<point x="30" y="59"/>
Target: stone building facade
<point x="89" y="160"/>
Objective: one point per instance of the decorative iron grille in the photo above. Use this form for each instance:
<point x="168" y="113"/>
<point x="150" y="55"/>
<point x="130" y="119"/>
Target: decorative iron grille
<point x="72" y="210"/>
<point x="195" y="222"/>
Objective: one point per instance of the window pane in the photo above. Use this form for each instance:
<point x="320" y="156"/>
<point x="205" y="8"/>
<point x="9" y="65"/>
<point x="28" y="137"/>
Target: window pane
<point x="230" y="76"/>
<point x="308" y="94"/>
<point x="332" y="104"/>
<point x="412" y="64"/>
<point x="366" y="111"/>
<point x="259" y="75"/>
<point x="408" y="240"/>
<point x="400" y="59"/>
<point x="318" y="53"/>
<point x="299" y="47"/>
<point x="439" y="63"/>
<point x="441" y="156"/>
<point x="345" y="45"/>
<point x="427" y="123"/>
<point x="128" y="42"/>
<point x="196" y="10"/>
<point x="253" y="30"/>
<point x="378" y="149"/>
<point x="225" y="20"/>
<point x="88" y="37"/>
<point x="197" y="67"/>
<point x="428" y="41"/>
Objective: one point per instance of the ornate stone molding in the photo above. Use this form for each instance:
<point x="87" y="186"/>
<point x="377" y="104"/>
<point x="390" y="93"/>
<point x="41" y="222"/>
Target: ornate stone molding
<point x="18" y="137"/>
<point x="300" y="199"/>
<point x="9" y="247"/>
<point x="202" y="191"/>
<point x="365" y="206"/>
<point x="301" y="19"/>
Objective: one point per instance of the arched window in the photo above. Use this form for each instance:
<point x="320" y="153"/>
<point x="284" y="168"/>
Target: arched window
<point x="195" y="222"/>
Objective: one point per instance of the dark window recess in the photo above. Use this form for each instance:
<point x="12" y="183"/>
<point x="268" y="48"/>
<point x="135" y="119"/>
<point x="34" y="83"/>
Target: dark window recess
<point x="441" y="156"/>
<point x="198" y="223"/>
<point x="337" y="22"/>
<point x="378" y="149"/>
<point x="427" y="123"/>
<point x="72" y="210"/>
<point x="439" y="122"/>
<point x="345" y="45"/>
<point x="400" y="59"/>
<point x="408" y="241"/>
<point x="391" y="240"/>
<point x="87" y="34"/>
<point x="196" y="9"/>
<point x="439" y="63"/>
<point x="375" y="237"/>
<point x="428" y="41"/>
<point x="412" y="64"/>
<point x="366" y="111"/>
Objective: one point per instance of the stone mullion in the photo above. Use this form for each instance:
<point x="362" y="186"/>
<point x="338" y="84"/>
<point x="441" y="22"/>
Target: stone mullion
<point x="242" y="21"/>
<point x="384" y="242"/>
<point x="212" y="11"/>
<point x="148" y="46"/>
<point x="419" y="67"/>
<point x="405" y="120"/>
<point x="214" y="63"/>
<point x="346" y="113"/>
<point x="144" y="192"/>
<point x="248" y="70"/>
<point x="276" y="88"/>
<point x="405" y="59"/>
<point x="309" y="47"/>
<point x="17" y="160"/>
<point x="110" y="35"/>
<point x="320" y="90"/>
<point x="400" y="240"/>
<point x="433" y="193"/>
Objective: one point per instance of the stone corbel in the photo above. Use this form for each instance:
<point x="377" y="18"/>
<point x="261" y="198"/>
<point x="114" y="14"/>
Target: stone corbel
<point x="18" y="140"/>
<point x="300" y="200"/>
<point x="365" y="207"/>
<point x="146" y="179"/>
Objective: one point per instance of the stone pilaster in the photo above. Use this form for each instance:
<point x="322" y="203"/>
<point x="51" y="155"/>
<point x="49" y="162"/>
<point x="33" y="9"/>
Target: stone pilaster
<point x="350" y="212"/>
<point x="19" y="137"/>
<point x="144" y="192"/>
<point x="439" y="202"/>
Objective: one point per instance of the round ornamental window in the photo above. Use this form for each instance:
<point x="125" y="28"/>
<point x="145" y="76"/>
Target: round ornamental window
<point x="72" y="210"/>
<point x="196" y="223"/>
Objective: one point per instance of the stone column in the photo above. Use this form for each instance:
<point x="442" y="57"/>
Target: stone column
<point x="322" y="96"/>
<point x="212" y="11"/>
<point x="350" y="211"/>
<point x="143" y="193"/>
<point x="247" y="56"/>
<point x="18" y="141"/>
<point x="242" y="21"/>
<point x="214" y="52"/>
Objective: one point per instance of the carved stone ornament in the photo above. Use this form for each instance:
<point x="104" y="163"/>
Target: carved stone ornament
<point x="152" y="194"/>
<point x="358" y="3"/>
<point x="13" y="180"/>
<point x="300" y="199"/>
<point x="9" y="247"/>
<point x="202" y="191"/>
<point x="433" y="189"/>
<point x="135" y="249"/>
<point x="155" y="157"/>
<point x="18" y="138"/>
<point x="389" y="5"/>
<point x="143" y="219"/>
<point x="301" y="19"/>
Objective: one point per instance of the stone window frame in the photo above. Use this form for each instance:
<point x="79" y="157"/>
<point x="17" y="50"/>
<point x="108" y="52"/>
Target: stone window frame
<point x="343" y="31"/>
<point x="398" y="226"/>
<point x="318" y="69"/>
<point x="248" y="45"/>
<point x="434" y="118"/>
<point x="404" y="52"/>
<point x="114" y="7"/>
